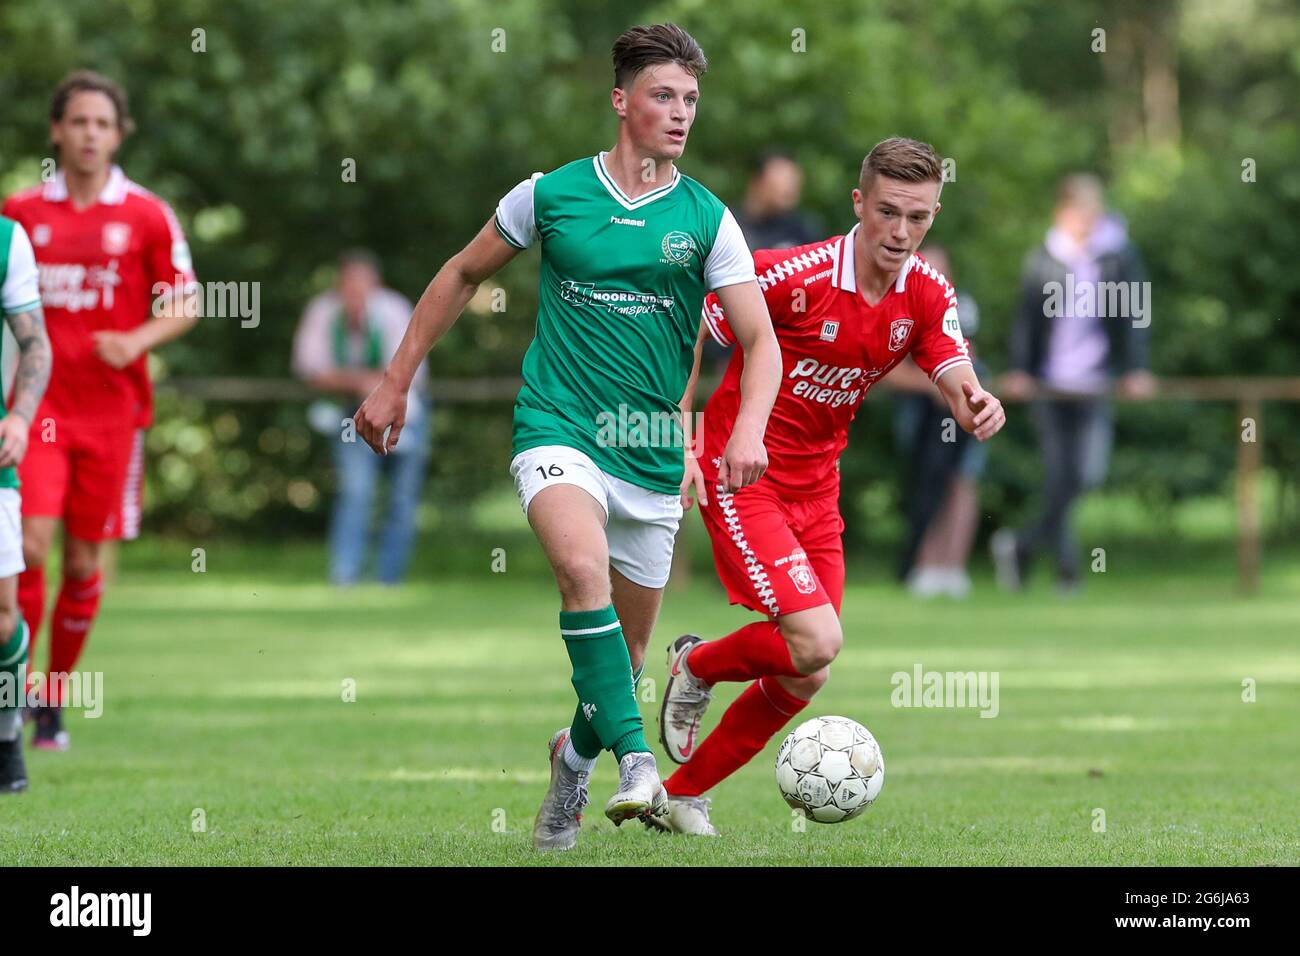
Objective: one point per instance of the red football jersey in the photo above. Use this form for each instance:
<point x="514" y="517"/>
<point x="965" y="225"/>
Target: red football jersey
<point x="834" y="347"/>
<point x="98" y="271"/>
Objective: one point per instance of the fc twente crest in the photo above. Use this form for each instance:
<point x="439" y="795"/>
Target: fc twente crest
<point x="899" y="332"/>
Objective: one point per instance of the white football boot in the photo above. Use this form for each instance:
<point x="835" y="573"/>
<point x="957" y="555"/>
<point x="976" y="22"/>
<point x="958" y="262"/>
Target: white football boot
<point x="640" y="791"/>
<point x="685" y="701"/>
<point x="559" y="819"/>
<point x="686" y="815"/>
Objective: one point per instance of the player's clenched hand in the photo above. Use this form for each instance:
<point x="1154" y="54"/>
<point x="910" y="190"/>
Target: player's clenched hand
<point x="693" y="479"/>
<point x="987" y="409"/>
<point x="118" y="349"/>
<point x="744" y="461"/>
<point x="384" y="408"/>
<point x="13" y="439"/>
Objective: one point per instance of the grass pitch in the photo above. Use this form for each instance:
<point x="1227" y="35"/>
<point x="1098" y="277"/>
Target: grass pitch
<point x="224" y="705"/>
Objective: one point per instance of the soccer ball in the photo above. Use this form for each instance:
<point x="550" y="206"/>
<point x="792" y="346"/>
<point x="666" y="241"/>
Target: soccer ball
<point x="831" y="768"/>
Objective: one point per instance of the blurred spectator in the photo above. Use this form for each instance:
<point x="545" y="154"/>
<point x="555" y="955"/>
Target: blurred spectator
<point x="1066" y="349"/>
<point x="770" y="218"/>
<point x="345" y="338"/>
<point x="769" y="215"/>
<point x="942" y="476"/>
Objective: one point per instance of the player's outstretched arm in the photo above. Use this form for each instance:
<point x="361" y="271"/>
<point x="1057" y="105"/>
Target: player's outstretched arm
<point x="435" y="313"/>
<point x="976" y="411"/>
<point x="745" y="458"/>
<point x="30" y="379"/>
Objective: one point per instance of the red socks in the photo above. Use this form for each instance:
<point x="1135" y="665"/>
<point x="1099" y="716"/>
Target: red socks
<point x="74" y="613"/>
<point x="31" y="601"/>
<point x="756" y="650"/>
<point x="746" y="727"/>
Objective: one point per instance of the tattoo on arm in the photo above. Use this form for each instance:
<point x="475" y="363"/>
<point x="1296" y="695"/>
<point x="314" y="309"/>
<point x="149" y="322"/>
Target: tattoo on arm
<point x="34" y="361"/>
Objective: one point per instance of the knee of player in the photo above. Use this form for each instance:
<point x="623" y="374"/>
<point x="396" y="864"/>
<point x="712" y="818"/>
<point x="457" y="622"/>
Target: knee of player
<point x="817" y="652"/>
<point x="583" y="579"/>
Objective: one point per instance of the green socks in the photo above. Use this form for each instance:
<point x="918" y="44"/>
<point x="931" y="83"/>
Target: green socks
<point x="607" y="717"/>
<point x="13" y="678"/>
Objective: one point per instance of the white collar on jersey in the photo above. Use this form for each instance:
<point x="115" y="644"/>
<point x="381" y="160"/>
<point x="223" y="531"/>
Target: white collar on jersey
<point x="113" y="193"/>
<point x="844" y="273"/>
<point x="598" y="162"/>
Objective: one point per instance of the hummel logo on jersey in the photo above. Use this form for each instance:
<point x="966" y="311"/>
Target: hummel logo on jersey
<point x="620" y="221"/>
<point x="588" y="711"/>
<point x="830" y="329"/>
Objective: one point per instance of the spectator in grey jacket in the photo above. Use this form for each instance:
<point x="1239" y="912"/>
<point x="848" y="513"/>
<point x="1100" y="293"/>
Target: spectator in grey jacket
<point x="1081" y="329"/>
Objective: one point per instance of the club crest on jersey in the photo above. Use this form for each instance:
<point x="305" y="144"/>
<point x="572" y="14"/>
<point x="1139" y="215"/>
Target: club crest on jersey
<point x="803" y="579"/>
<point x="117" y="237"/>
<point x="830" y="329"/>
<point x="41" y="235"/>
<point x="678" y="248"/>
<point x="899" y="332"/>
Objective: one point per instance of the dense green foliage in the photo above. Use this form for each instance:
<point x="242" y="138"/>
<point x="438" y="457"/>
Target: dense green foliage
<point x="248" y="139"/>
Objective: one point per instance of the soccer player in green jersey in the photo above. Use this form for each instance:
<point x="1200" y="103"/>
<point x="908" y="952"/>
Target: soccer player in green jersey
<point x="602" y="465"/>
<point x="20" y="306"/>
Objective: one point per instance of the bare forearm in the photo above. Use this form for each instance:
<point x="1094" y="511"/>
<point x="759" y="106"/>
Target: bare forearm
<point x="436" y="312"/>
<point x="173" y="322"/>
<point x="759" y="382"/>
<point x="34" y="362"/>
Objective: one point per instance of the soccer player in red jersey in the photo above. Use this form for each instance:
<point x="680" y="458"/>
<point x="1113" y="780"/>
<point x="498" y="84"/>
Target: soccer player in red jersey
<point x="846" y="310"/>
<point x="114" y="276"/>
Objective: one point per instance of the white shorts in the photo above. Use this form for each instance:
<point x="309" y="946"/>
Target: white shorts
<point x="640" y="525"/>
<point x="11" y="533"/>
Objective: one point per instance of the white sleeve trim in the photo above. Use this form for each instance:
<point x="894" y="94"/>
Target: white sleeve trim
<point x="22" y="290"/>
<point x="948" y="365"/>
<point x="729" y="261"/>
<point x="515" y="219"/>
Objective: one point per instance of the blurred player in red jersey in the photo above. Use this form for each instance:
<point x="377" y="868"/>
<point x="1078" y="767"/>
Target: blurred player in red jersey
<point x="114" y="276"/>
<point x="846" y="310"/>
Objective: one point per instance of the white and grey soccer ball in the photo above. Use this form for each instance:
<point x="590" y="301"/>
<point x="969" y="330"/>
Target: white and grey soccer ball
<point x="831" y="768"/>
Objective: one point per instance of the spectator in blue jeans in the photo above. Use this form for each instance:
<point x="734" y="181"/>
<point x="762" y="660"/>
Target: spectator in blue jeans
<point x="346" y="337"/>
<point x="1081" y="330"/>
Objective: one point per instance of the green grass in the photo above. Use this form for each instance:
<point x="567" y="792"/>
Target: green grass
<point x="223" y="692"/>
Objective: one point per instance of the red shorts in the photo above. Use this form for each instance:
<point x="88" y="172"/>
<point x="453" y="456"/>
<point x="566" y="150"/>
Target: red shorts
<point x="81" y="476"/>
<point x="773" y="556"/>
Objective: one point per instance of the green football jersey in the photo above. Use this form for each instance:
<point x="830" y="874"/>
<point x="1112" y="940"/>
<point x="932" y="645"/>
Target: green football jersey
<point x="19" y="292"/>
<point x="622" y="284"/>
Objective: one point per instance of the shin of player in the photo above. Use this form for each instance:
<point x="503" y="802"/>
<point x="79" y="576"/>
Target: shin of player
<point x="846" y="310"/>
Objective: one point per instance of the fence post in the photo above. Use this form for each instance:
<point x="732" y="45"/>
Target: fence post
<point x="1248" y="456"/>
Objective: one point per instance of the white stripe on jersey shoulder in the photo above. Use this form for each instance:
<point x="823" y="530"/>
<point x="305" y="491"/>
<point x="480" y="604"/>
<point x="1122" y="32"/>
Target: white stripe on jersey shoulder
<point x="795" y="264"/>
<point x="920" y="266"/>
<point x="606" y="180"/>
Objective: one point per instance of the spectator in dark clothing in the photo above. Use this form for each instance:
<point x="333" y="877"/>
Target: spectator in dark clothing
<point x="1081" y="328"/>
<point x="769" y="215"/>
<point x="770" y="219"/>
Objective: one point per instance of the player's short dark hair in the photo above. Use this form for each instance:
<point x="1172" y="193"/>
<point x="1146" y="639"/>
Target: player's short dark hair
<point x="88" y="81"/>
<point x="641" y="47"/>
<point x="900" y="158"/>
<point x="769" y="156"/>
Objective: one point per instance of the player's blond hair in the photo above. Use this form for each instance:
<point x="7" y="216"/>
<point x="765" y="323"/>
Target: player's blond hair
<point x="909" y="160"/>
